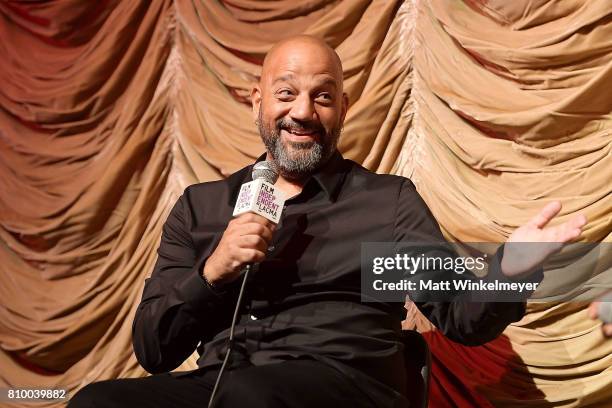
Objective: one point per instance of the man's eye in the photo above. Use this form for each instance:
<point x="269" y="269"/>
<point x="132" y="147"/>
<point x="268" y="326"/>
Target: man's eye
<point x="324" y="97"/>
<point x="284" y="92"/>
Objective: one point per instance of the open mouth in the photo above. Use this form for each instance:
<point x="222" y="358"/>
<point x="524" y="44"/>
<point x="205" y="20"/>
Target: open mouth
<point x="300" y="135"/>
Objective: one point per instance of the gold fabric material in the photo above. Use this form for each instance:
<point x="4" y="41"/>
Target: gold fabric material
<point x="109" y="110"/>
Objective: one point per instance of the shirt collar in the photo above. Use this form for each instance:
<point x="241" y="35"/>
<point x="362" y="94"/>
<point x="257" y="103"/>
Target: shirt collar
<point x="329" y="177"/>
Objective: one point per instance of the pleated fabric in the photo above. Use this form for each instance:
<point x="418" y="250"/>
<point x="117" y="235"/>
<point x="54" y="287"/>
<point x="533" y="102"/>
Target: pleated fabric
<point x="109" y="109"/>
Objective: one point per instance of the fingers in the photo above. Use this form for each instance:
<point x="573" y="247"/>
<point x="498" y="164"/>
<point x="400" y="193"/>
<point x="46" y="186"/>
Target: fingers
<point x="250" y="224"/>
<point x="571" y="234"/>
<point x="606" y="328"/>
<point x="592" y="311"/>
<point x="253" y="242"/>
<point x="249" y="232"/>
<point x="565" y="233"/>
<point x="247" y="218"/>
<point x="545" y="215"/>
<point x="258" y="230"/>
<point x="569" y="231"/>
<point x="232" y="257"/>
<point x="578" y="221"/>
<point x="574" y="226"/>
<point x="245" y="240"/>
<point x="249" y="255"/>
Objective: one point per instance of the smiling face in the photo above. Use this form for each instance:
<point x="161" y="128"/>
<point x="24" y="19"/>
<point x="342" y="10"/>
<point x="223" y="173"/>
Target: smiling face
<point x="299" y="105"/>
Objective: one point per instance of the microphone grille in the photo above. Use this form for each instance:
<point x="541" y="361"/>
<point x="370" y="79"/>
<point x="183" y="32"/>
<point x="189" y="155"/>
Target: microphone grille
<point x="264" y="170"/>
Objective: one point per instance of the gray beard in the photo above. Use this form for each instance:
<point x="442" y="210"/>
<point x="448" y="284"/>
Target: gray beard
<point x="298" y="160"/>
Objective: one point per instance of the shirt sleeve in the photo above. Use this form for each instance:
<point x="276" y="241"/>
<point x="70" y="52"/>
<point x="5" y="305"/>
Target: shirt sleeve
<point x="461" y="320"/>
<point x="178" y="308"/>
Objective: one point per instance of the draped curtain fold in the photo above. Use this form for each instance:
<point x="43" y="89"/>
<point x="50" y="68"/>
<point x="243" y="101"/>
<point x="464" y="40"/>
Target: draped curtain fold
<point x="109" y="109"/>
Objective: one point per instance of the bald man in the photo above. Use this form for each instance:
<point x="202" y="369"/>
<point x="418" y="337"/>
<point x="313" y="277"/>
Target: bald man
<point x="304" y="338"/>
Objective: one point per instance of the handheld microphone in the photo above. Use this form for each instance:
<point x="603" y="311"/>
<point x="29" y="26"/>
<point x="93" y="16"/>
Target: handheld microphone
<point x="260" y="197"/>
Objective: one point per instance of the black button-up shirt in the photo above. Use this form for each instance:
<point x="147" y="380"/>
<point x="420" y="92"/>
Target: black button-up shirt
<point x="304" y="300"/>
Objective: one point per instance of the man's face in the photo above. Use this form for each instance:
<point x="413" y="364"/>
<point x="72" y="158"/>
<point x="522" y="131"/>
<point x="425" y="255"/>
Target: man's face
<point x="300" y="109"/>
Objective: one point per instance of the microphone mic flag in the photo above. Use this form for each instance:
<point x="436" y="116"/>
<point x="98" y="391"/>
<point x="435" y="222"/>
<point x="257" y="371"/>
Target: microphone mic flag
<point x="260" y="196"/>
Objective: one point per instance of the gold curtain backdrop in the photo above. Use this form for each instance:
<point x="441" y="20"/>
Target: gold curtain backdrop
<point x="110" y="109"/>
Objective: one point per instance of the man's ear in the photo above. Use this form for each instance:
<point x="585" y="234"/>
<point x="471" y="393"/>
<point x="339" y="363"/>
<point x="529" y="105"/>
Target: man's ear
<point x="345" y="102"/>
<point x="256" y="100"/>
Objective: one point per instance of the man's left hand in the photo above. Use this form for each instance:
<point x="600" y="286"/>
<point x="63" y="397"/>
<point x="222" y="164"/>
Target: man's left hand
<point x="531" y="244"/>
<point x="593" y="311"/>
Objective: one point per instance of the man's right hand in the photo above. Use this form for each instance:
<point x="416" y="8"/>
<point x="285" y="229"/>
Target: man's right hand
<point x="245" y="240"/>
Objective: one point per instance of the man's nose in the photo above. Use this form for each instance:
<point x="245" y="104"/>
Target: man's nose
<point x="303" y="109"/>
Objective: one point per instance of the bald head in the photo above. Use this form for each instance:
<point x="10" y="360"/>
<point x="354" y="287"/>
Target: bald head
<point x="299" y="105"/>
<point x="303" y="48"/>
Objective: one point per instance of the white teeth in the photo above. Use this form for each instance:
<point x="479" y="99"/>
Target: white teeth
<point x="312" y="133"/>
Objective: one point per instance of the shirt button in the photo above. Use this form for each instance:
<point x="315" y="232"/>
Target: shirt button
<point x="253" y="317"/>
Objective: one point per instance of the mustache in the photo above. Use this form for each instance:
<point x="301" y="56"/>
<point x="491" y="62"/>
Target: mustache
<point x="304" y="127"/>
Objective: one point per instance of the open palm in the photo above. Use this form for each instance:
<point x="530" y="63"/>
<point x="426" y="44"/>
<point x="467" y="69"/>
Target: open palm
<point x="531" y="244"/>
